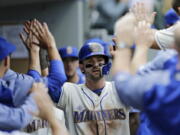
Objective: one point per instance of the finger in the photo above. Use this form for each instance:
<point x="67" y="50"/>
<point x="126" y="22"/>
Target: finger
<point x="39" y="27"/>
<point x="46" y="27"/>
<point x="23" y="38"/>
<point x="35" y="33"/>
<point x="27" y="24"/>
<point x="27" y="31"/>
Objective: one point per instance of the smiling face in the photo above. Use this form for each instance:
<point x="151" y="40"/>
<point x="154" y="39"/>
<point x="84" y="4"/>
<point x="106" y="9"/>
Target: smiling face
<point x="92" y="67"/>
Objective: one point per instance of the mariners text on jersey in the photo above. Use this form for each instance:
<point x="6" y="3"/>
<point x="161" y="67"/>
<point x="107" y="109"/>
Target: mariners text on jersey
<point x="87" y="115"/>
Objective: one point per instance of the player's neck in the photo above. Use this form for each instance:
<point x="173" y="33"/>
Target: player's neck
<point x="94" y="85"/>
<point x="74" y="78"/>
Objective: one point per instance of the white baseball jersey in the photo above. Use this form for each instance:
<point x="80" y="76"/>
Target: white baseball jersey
<point x="165" y="38"/>
<point x="86" y="113"/>
<point x="41" y="127"/>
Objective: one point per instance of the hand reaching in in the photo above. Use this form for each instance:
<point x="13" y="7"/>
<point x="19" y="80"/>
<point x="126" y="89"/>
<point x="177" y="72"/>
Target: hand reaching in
<point x="29" y="40"/>
<point x="142" y="13"/>
<point x="44" y="36"/>
<point x="144" y="36"/>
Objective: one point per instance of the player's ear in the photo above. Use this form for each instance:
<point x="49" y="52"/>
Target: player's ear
<point x="81" y="67"/>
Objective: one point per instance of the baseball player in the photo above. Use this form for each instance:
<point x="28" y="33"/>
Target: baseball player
<point x="70" y="60"/>
<point x="93" y="107"/>
<point x="157" y="96"/>
<point x="15" y="101"/>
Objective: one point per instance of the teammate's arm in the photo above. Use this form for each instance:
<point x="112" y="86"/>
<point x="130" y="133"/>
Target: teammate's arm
<point x="143" y="41"/>
<point x="16" y="118"/>
<point x="46" y="110"/>
<point x="56" y="77"/>
<point x="30" y="41"/>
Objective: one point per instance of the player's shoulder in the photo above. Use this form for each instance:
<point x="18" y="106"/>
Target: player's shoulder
<point x="71" y="86"/>
<point x="11" y="75"/>
<point x="110" y="85"/>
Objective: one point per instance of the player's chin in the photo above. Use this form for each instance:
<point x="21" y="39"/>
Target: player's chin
<point x="96" y="74"/>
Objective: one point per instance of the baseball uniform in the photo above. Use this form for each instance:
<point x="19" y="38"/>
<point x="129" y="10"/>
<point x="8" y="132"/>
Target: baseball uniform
<point x="88" y="113"/>
<point x="165" y="38"/>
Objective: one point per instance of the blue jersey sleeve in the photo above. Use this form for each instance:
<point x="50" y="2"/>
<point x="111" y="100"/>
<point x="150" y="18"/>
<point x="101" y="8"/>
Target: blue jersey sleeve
<point x="14" y="88"/>
<point x="56" y="79"/>
<point x="16" y="118"/>
<point x="161" y="105"/>
<point x="34" y="74"/>
<point x="162" y="61"/>
<point x="131" y="89"/>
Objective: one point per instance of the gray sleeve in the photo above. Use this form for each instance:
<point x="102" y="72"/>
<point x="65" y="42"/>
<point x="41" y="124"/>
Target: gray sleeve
<point x="165" y="38"/>
<point x="131" y="89"/>
<point x="18" y="85"/>
<point x="16" y="118"/>
<point x="111" y="9"/>
<point x="158" y="62"/>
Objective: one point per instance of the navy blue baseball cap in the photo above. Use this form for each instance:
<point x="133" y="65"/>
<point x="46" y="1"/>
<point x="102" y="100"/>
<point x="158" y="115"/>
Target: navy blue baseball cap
<point x="6" y="48"/>
<point x="171" y="17"/>
<point x="93" y="47"/>
<point x="103" y="43"/>
<point x="69" y="51"/>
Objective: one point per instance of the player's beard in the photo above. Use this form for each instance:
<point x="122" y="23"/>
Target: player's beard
<point x="94" y="77"/>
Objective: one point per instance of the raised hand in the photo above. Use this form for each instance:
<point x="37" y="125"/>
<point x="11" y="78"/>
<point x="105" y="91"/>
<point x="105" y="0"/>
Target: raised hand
<point x="143" y="35"/>
<point x="28" y="39"/>
<point x="124" y="30"/>
<point x="142" y="13"/>
<point x="42" y="33"/>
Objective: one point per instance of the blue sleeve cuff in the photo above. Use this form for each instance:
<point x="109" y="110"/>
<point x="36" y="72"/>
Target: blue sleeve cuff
<point x="34" y="74"/>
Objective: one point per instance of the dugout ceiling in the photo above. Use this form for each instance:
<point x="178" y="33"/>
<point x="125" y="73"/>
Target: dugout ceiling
<point x="6" y="3"/>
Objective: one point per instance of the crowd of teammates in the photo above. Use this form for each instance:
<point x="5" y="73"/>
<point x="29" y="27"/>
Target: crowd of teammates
<point x="67" y="93"/>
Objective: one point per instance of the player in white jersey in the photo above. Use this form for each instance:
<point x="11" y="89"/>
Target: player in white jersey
<point x="94" y="108"/>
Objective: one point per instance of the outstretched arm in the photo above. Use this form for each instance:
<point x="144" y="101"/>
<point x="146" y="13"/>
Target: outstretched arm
<point x="16" y="118"/>
<point x="30" y="41"/>
<point x="56" y="77"/>
<point x="143" y="41"/>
